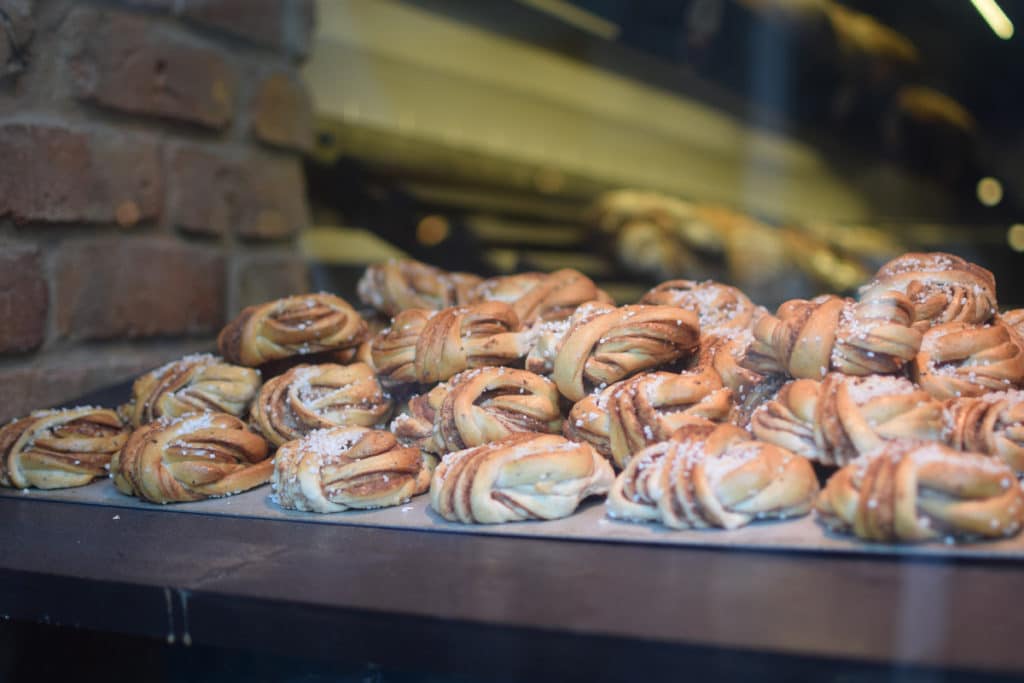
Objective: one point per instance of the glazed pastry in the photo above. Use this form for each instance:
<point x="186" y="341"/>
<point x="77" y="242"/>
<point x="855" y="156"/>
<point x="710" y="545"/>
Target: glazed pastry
<point x="807" y="339"/>
<point x="54" y="449"/>
<point x="294" y="326"/>
<point x="397" y="285"/>
<point x="957" y="359"/>
<point x="194" y="457"/>
<point x="604" y="344"/>
<point x="921" y="490"/>
<point x="636" y="412"/>
<point x="196" y="383"/>
<point x="342" y="468"/>
<point x="943" y="288"/>
<point x="992" y="424"/>
<point x="841" y="417"/>
<point x="721" y="309"/>
<point x="480" y="406"/>
<point x="426" y="346"/>
<point x="310" y="397"/>
<point x="541" y="296"/>
<point x="712" y="476"/>
<point x="526" y="476"/>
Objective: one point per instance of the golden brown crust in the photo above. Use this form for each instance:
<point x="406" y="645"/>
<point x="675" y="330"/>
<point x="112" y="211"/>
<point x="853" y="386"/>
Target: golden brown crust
<point x="712" y="476"/>
<point x="293" y="326"/>
<point x="942" y="287"/>
<point x="480" y="406"/>
<point x="807" y="339"/>
<point x="603" y="344"/>
<point x="841" y="417"/>
<point x="427" y="346"/>
<point x="526" y="476"/>
<point x="53" y="449"/>
<point x="721" y="309"/>
<point x="397" y="285"/>
<point x="992" y="424"/>
<point x="342" y="468"/>
<point x="957" y="359"/>
<point x="541" y="296"/>
<point x="637" y="412"/>
<point x="918" y="490"/>
<point x="197" y="383"/>
<point x="310" y="397"/>
<point x="194" y="457"/>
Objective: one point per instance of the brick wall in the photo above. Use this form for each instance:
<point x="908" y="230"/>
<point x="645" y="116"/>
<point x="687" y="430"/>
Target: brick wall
<point x="150" y="181"/>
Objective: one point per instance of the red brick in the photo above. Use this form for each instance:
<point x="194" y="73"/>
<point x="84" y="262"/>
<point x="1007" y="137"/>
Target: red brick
<point x="262" y="277"/>
<point x="23" y="298"/>
<point x="116" y="287"/>
<point x="283" y="25"/>
<point x="57" y="174"/>
<point x="282" y="114"/>
<point x="52" y="379"/>
<point x="134" y="63"/>
<point x="255" y="197"/>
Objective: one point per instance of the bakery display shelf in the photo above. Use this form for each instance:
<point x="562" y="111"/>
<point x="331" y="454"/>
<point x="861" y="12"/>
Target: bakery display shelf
<point x="391" y="586"/>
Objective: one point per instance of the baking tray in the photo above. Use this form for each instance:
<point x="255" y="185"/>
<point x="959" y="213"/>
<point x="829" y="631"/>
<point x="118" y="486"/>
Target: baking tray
<point x="803" y="534"/>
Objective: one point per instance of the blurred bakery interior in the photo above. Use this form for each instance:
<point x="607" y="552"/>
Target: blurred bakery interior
<point x="786" y="146"/>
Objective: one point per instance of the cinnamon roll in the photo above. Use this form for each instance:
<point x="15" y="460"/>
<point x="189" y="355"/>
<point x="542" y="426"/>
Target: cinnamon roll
<point x="397" y="285"/>
<point x="541" y="296"/>
<point x="1014" y="319"/>
<point x="196" y="383"/>
<point x="943" y="288"/>
<point x="712" y="476"/>
<point x="53" y="449"/>
<point x="194" y="457"/>
<point x="636" y="412"/>
<point x="957" y="359"/>
<point x="525" y="476"/>
<point x="293" y="326"/>
<point x="480" y="406"/>
<point x="841" y="417"/>
<point x="921" y="490"/>
<point x="721" y="309"/>
<point x="603" y="344"/>
<point x="427" y="346"/>
<point x="310" y="397"/>
<point x="807" y="339"/>
<point x="750" y="389"/>
<point x="342" y="468"/>
<point x="992" y="424"/>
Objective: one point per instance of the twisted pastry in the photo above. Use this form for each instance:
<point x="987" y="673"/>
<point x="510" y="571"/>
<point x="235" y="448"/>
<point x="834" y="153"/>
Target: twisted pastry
<point x="841" y="417"/>
<point x="721" y="309"/>
<point x="343" y="468"/>
<point x="194" y="457"/>
<point x="992" y="424"/>
<point x="806" y="339"/>
<point x="480" y="406"/>
<point x="918" y="491"/>
<point x="426" y="347"/>
<point x="750" y="389"/>
<point x="526" y="476"/>
<point x="310" y="397"/>
<point x="1014" y="319"/>
<point x="636" y="412"/>
<point x="712" y="476"/>
<point x="957" y="359"/>
<point x="397" y="285"/>
<point x="53" y="449"/>
<point x="603" y="344"/>
<point x="541" y="296"/>
<point x="943" y="288"/>
<point x="294" y="326"/>
<point x="196" y="383"/>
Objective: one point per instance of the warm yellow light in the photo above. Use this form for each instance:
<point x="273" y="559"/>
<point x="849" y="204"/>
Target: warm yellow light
<point x="1015" y="237"/>
<point x="432" y="230"/>
<point x="995" y="17"/>
<point x="990" y="191"/>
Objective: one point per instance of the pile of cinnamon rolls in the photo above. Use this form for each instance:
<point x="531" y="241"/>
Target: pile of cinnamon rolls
<point x="517" y="397"/>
